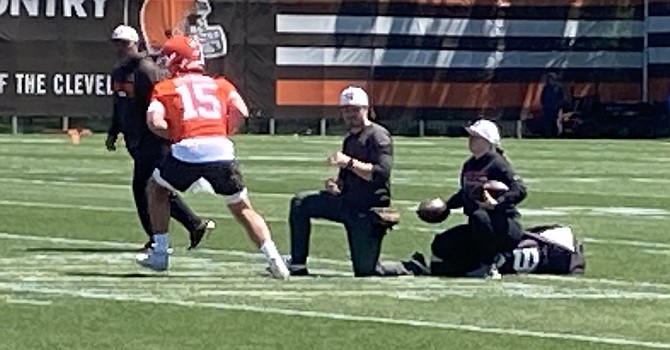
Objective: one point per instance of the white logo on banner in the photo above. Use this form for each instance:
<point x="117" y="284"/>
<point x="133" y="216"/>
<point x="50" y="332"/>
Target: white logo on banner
<point x="61" y="84"/>
<point x="67" y="8"/>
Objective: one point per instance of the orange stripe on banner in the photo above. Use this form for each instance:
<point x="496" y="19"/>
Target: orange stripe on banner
<point x="500" y="3"/>
<point x="441" y="95"/>
<point x="659" y="89"/>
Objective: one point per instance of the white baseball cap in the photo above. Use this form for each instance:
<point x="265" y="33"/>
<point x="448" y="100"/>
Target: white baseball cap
<point x="485" y="129"/>
<point x="354" y="96"/>
<point x="126" y="33"/>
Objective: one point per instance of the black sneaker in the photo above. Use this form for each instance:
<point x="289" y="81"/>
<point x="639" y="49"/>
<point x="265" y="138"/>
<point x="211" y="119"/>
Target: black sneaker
<point x="298" y="271"/>
<point x="199" y="233"/>
<point x="149" y="245"/>
<point x="417" y="265"/>
<point x="295" y="270"/>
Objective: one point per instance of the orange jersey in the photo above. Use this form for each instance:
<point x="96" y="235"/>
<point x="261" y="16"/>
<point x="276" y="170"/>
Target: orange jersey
<point x="195" y="105"/>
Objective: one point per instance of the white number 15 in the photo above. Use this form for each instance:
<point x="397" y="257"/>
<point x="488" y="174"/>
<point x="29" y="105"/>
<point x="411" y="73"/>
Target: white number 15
<point x="200" y="100"/>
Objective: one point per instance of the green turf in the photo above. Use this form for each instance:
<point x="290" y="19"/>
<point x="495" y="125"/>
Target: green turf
<point x="83" y="291"/>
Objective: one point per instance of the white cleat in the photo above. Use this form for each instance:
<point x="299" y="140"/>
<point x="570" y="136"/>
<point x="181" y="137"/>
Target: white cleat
<point x="153" y="260"/>
<point x="210" y="225"/>
<point x="494" y="274"/>
<point x="278" y="269"/>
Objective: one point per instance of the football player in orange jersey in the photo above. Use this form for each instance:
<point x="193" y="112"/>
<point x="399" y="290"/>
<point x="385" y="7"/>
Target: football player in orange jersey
<point x="197" y="113"/>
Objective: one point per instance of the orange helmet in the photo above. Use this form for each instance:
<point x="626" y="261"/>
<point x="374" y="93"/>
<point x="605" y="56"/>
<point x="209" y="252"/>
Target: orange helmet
<point x="183" y="54"/>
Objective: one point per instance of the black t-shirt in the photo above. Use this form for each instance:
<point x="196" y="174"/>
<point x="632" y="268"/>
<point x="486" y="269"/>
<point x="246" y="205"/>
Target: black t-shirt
<point x="476" y="171"/>
<point x="133" y="82"/>
<point x="372" y="145"/>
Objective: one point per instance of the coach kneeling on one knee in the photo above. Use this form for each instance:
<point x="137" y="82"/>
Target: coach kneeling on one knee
<point x="363" y="182"/>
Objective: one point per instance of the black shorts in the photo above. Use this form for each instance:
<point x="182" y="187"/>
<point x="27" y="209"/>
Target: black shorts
<point x="225" y="176"/>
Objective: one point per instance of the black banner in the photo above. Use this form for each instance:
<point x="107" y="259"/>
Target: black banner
<point x="55" y="56"/>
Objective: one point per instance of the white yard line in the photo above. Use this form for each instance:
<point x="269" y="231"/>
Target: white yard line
<point x="625" y="242"/>
<point x="35" y="141"/>
<point x="28" y="301"/>
<point x="342" y="317"/>
<point x="286" y="196"/>
<point x="259" y="257"/>
<point x="111" y="244"/>
<point x="118" y="295"/>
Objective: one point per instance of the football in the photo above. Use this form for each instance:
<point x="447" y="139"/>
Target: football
<point x="495" y="188"/>
<point x="433" y="210"/>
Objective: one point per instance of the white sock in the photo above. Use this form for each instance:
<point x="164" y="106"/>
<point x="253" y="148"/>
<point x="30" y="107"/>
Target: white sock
<point x="270" y="250"/>
<point x="161" y="242"/>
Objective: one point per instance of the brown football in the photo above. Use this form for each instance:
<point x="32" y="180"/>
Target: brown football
<point x="495" y="188"/>
<point x="433" y="210"/>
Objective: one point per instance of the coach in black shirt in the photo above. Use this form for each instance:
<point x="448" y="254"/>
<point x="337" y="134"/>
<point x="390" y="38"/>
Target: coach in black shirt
<point x="133" y="80"/>
<point x="363" y="182"/>
<point x="493" y="222"/>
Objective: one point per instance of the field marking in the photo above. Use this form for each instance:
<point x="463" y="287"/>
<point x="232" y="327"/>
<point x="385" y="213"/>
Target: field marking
<point x="9" y="300"/>
<point x="604" y="241"/>
<point x="657" y="252"/>
<point x="345" y="317"/>
<point x="35" y="141"/>
<point x="47" y="269"/>
<point x="540" y="212"/>
<point x="631" y="243"/>
<point x="219" y="215"/>
<point x="383" y="280"/>
<point x="286" y="196"/>
<point x="135" y="297"/>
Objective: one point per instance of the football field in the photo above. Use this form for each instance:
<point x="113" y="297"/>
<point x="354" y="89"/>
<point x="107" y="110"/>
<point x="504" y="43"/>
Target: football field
<point x="69" y="234"/>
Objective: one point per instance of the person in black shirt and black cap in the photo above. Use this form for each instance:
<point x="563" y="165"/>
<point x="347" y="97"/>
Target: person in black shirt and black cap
<point x="132" y="81"/>
<point x="361" y="188"/>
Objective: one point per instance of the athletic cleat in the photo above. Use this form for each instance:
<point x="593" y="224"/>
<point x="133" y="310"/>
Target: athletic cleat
<point x="489" y="272"/>
<point x="418" y="264"/>
<point x="199" y="233"/>
<point x="299" y="271"/>
<point x="278" y="269"/>
<point x="493" y="273"/>
<point x="294" y="270"/>
<point x="153" y="260"/>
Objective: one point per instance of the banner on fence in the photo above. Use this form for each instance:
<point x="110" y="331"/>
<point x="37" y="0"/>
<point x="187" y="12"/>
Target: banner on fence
<point x="55" y="56"/>
<point x="290" y="58"/>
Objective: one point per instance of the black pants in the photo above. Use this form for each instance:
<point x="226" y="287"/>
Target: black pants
<point x="549" y="121"/>
<point x="464" y="248"/>
<point x="144" y="165"/>
<point x="365" y="238"/>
